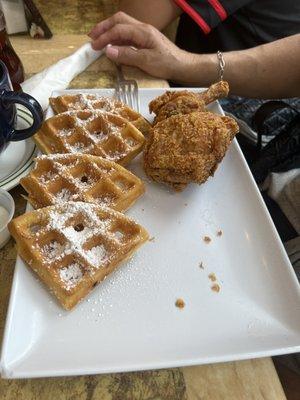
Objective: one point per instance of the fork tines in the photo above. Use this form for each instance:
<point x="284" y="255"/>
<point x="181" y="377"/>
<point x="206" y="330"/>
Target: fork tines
<point x="127" y="90"/>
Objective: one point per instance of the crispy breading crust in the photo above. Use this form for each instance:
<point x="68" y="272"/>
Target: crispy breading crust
<point x="182" y="105"/>
<point x="184" y="102"/>
<point x="216" y="91"/>
<point x="187" y="148"/>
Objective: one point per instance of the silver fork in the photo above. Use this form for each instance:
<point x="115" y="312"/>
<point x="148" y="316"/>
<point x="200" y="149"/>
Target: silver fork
<point x="127" y="90"/>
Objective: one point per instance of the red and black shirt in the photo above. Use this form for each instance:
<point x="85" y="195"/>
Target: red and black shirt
<point x="210" y="25"/>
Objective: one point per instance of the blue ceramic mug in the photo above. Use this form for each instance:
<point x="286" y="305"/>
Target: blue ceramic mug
<point x="8" y="101"/>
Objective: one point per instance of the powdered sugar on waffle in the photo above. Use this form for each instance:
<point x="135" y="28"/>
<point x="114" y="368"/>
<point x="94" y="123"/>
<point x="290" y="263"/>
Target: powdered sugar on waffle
<point x="66" y="250"/>
<point x="64" y="195"/>
<point x="92" y="226"/>
<point x="60" y="215"/>
<point x="53" y="250"/>
<point x="79" y="184"/>
<point x="116" y="155"/>
<point x="71" y="275"/>
<point x="106" y="200"/>
<point x="52" y="157"/>
<point x="78" y="147"/>
<point x="78" y="238"/>
<point x="110" y="130"/>
<point x="97" y="256"/>
<point x="97" y="137"/>
<point x="47" y="177"/>
<point x="66" y="132"/>
<point x="88" y="101"/>
<point x="82" y="183"/>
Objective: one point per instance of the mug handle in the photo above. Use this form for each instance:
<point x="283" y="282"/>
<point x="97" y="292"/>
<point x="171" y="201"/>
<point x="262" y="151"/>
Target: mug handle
<point x="32" y="105"/>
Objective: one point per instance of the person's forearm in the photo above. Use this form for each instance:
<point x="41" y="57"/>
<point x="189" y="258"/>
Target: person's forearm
<point x="267" y="71"/>
<point x="159" y="13"/>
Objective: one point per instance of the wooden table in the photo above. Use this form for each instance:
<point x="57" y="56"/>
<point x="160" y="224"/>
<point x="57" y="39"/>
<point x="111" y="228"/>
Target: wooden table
<point x="254" y="379"/>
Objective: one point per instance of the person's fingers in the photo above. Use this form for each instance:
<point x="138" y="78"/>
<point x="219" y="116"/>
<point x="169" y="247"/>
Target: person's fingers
<point x="121" y="34"/>
<point x="127" y="55"/>
<point x="103" y="26"/>
<point x="100" y="28"/>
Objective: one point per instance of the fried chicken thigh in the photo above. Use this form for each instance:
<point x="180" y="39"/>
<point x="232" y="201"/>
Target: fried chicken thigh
<point x="185" y="102"/>
<point x="187" y="148"/>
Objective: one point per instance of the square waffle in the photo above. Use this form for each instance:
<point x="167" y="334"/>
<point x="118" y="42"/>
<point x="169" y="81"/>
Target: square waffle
<point x="84" y="101"/>
<point x="74" y="246"/>
<point x="90" y="132"/>
<point x="57" y="178"/>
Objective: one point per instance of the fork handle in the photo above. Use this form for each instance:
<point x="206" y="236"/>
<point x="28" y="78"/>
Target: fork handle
<point x="120" y="75"/>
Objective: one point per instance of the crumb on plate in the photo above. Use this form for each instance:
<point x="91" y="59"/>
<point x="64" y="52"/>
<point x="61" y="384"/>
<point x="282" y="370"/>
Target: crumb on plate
<point x="180" y="303"/>
<point x="220" y="233"/>
<point x="152" y="239"/>
<point x="212" y="277"/>
<point x="201" y="265"/>
<point x="207" y="239"/>
<point x="215" y="288"/>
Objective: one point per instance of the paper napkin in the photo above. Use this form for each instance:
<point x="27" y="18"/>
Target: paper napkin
<point x="59" y="75"/>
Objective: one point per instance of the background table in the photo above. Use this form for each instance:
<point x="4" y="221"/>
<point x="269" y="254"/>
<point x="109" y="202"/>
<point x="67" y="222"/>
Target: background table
<point x="254" y="379"/>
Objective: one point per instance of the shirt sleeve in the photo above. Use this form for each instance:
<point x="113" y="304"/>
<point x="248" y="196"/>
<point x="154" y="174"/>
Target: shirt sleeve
<point x="209" y="13"/>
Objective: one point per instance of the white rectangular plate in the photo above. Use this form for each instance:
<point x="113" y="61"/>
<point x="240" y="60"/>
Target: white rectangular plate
<point x="130" y="321"/>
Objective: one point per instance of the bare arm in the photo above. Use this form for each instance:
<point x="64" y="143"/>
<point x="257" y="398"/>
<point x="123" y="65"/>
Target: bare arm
<point x="159" y="13"/>
<point x="267" y="71"/>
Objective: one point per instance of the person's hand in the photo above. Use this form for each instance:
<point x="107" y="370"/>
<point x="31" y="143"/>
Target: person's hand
<point x="128" y="41"/>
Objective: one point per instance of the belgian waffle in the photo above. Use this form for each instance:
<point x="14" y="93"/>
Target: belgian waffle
<point x="58" y="178"/>
<point x="90" y="132"/>
<point x="94" y="102"/>
<point x="73" y="246"/>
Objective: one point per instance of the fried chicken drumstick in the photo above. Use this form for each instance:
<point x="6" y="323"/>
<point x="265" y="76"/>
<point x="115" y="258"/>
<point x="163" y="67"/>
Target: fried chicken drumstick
<point x="188" y="148"/>
<point x="185" y="102"/>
